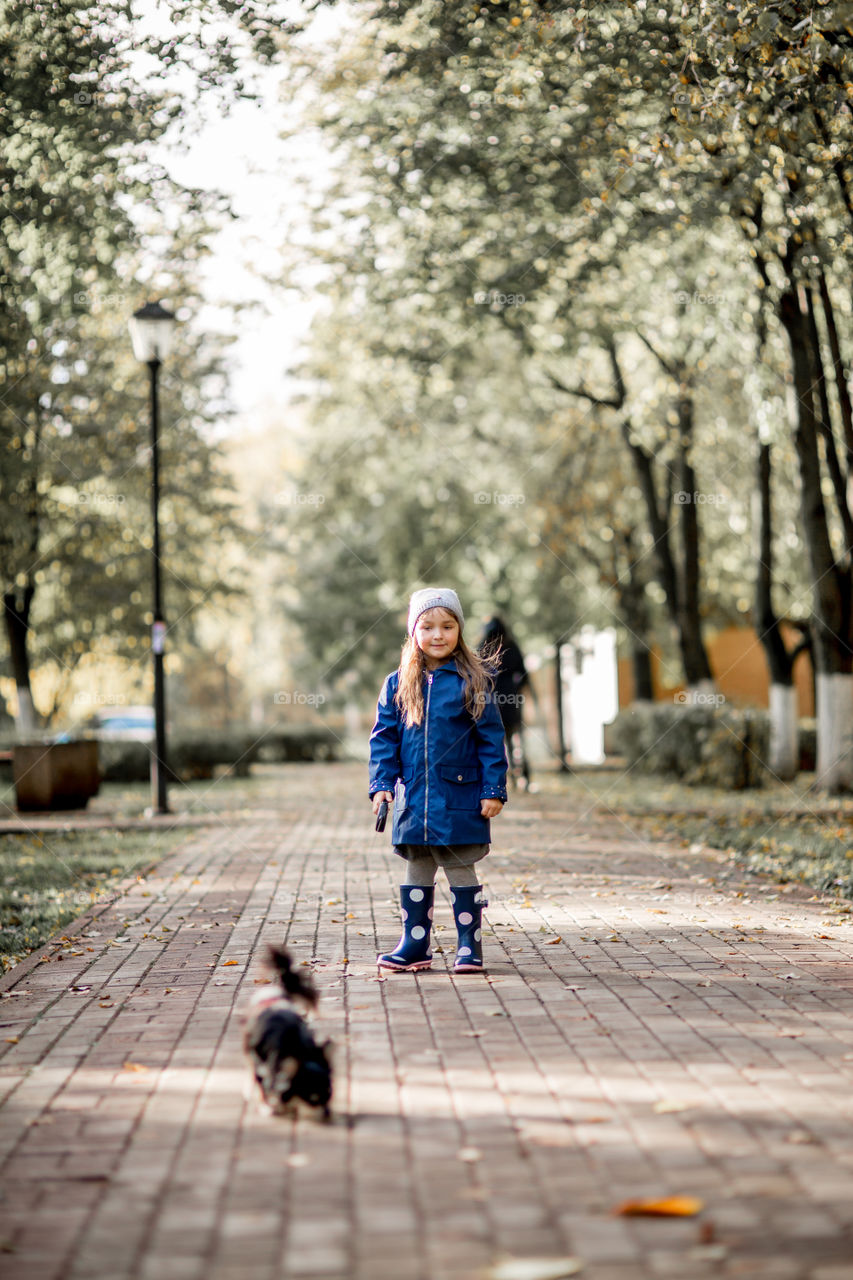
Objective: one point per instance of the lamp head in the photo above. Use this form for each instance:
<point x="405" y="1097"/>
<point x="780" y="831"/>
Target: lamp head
<point x="152" y="328"/>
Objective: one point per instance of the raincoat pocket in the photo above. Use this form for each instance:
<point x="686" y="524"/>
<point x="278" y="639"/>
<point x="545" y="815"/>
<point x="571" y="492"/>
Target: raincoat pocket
<point x="460" y="786"/>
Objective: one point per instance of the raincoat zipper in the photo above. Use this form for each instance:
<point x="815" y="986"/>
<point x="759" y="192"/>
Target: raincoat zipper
<point x="426" y="755"/>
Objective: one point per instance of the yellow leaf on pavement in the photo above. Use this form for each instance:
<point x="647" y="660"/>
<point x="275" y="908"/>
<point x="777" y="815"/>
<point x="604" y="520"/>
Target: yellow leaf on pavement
<point x="668" y="1207"/>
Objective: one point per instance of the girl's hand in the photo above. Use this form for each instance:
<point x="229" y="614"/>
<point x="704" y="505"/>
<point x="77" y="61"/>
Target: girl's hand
<point x="379" y="797"/>
<point x="490" y="808"/>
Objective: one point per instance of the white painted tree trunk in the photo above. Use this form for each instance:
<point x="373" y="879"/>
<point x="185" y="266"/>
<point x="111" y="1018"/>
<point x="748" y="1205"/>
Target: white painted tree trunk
<point x="784" y="753"/>
<point x="834" y="732"/>
<point x="25" y="716"/>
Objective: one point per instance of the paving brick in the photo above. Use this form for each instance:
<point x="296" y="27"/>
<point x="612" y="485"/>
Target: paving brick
<point x="660" y="1047"/>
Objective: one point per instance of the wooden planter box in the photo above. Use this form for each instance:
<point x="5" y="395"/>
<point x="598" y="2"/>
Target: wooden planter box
<point x="58" y="775"/>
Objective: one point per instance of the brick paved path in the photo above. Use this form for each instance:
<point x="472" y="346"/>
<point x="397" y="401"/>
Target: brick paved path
<point x="648" y="1026"/>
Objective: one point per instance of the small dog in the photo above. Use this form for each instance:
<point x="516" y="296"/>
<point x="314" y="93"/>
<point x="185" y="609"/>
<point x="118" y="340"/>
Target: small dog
<point x="289" y="1065"/>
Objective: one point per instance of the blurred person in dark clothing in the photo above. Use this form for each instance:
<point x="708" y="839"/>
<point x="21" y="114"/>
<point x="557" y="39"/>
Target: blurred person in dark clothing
<point x="505" y="660"/>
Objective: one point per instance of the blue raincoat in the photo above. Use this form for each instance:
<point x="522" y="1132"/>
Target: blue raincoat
<point x="441" y="769"/>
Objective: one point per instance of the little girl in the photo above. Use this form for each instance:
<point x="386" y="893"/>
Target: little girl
<point x="437" y="751"/>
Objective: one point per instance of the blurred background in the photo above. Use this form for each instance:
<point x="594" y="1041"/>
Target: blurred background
<point x="547" y="303"/>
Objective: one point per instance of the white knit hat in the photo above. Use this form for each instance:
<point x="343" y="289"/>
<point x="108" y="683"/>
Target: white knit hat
<point x="434" y="598"/>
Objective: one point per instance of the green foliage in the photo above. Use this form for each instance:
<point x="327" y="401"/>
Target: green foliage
<point x="511" y="201"/>
<point x="87" y="213"/>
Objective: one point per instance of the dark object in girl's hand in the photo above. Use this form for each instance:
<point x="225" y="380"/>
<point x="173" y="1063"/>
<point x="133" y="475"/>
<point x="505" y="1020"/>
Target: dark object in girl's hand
<point x="381" y="815"/>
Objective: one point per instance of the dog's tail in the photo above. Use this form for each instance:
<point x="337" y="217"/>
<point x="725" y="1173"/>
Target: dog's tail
<point x="294" y="982"/>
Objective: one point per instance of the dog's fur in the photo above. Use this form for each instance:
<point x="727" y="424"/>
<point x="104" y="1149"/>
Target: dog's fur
<point x="289" y="1065"/>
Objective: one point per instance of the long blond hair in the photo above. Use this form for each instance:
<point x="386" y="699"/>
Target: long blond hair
<point x="413" y="666"/>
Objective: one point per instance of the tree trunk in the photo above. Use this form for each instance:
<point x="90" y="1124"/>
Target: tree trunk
<point x="697" y="668"/>
<point x="784" y="751"/>
<point x="634" y="612"/>
<point x="682" y="608"/>
<point x="17" y="614"/>
<point x="834" y="770"/>
<point x="842" y="392"/>
<point x="784" y="729"/>
<point x="831" y="582"/>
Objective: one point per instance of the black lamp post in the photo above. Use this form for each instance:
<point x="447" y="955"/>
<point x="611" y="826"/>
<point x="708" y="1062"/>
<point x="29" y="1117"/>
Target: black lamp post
<point x="151" y="331"/>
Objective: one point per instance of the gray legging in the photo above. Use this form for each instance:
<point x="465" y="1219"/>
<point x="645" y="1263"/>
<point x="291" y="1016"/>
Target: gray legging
<point x="421" y="871"/>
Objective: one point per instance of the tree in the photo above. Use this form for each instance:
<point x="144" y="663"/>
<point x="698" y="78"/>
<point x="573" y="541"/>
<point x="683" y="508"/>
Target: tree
<point x="465" y="199"/>
<point x="80" y="184"/>
<point x="767" y="97"/>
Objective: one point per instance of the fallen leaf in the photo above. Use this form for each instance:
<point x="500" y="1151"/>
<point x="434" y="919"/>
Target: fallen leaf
<point x="552" y="942"/>
<point x="800" y="1137"/>
<point x="227" y="962"/>
<point x="668" y="1207"/>
<point x="547" y="1134"/>
<point x="105" y="1004"/>
<point x="134" y="1066"/>
<point x="670" y="1106"/>
<point x="12" y="1039"/>
<point x="470" y="1155"/>
<point x="298" y="1160"/>
<point x="535" y="1269"/>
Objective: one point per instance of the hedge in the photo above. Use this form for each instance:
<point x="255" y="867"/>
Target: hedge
<point x="197" y="755"/>
<point x="701" y="745"/>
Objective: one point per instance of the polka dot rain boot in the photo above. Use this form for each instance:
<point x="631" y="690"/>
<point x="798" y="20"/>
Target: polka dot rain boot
<point x="468" y="906"/>
<point x="412" y="951"/>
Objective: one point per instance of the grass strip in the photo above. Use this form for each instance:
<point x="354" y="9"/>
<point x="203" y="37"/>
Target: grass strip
<point x="788" y="832"/>
<point x="48" y="880"/>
